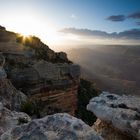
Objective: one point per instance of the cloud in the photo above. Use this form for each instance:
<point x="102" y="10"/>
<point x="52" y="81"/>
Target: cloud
<point x="138" y="23"/>
<point x="135" y="15"/>
<point x="128" y="34"/>
<point x="73" y="16"/>
<point x="116" y="18"/>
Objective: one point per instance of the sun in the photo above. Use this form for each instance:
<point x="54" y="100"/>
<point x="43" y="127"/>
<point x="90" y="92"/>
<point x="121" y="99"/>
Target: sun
<point x="25" y="34"/>
<point x="31" y="24"/>
<point x="34" y="24"/>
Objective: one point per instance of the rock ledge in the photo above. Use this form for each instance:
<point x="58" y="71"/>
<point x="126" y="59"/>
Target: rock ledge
<point x="60" y="126"/>
<point x="123" y="112"/>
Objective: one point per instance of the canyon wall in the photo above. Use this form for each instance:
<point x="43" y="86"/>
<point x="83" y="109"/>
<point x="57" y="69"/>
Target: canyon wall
<point x="47" y="78"/>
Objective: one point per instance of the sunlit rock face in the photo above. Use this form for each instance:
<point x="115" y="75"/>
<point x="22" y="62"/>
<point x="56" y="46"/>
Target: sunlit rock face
<point x="121" y="112"/>
<point x="47" y="78"/>
<point x="53" y="127"/>
<point x="9" y="119"/>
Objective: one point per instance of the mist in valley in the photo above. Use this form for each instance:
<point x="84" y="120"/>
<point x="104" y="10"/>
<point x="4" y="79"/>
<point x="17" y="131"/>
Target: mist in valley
<point x="113" y="68"/>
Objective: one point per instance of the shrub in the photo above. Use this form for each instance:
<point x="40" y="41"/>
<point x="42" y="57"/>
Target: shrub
<point x="27" y="107"/>
<point x="86" y="91"/>
<point x="31" y="108"/>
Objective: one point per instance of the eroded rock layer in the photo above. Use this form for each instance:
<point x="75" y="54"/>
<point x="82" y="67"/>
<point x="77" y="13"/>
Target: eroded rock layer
<point x="48" y="78"/>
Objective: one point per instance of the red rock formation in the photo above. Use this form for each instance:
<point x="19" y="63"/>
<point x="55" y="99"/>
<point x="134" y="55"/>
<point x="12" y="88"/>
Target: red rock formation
<point x="57" y="100"/>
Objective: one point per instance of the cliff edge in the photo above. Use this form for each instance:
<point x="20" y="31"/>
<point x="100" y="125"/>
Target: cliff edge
<point x="118" y="116"/>
<point x="48" y="79"/>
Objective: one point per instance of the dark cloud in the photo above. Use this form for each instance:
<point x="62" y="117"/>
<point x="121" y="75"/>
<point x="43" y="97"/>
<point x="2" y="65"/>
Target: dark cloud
<point x="138" y="23"/>
<point x="129" y="34"/>
<point x="135" y="15"/>
<point x="116" y="18"/>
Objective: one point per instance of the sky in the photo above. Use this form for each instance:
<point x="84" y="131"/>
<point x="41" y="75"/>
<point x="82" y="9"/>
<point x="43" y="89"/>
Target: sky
<point x="67" y="21"/>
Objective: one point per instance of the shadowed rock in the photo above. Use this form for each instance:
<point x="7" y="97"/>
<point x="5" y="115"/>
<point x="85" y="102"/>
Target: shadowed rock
<point x="9" y="95"/>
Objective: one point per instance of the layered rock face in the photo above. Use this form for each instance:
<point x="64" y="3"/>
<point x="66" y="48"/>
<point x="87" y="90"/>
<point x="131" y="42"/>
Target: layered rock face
<point x="53" y="127"/>
<point x="122" y="113"/>
<point x="48" y="79"/>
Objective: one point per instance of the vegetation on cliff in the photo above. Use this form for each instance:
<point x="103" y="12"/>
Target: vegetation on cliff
<point x="36" y="47"/>
<point x="86" y="91"/>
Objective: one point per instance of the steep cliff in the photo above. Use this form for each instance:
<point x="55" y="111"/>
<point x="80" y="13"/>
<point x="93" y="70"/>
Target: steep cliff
<point x="48" y="78"/>
<point x="9" y="95"/>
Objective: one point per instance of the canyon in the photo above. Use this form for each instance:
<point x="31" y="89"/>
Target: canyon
<point x="39" y="97"/>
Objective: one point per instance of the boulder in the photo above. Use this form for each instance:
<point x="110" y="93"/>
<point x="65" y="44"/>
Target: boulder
<point x="53" y="127"/>
<point x="109" y="132"/>
<point x="10" y="96"/>
<point x="9" y="119"/>
<point x="122" y="112"/>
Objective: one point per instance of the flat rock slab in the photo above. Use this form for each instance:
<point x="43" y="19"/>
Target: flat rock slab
<point x="54" y="127"/>
<point x="122" y="111"/>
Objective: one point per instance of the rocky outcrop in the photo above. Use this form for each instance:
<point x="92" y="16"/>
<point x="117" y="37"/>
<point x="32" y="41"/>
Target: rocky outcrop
<point x="41" y="50"/>
<point x="120" y="112"/>
<point x="2" y="28"/>
<point x="9" y="95"/>
<point x="9" y="119"/>
<point x="48" y="78"/>
<point x="45" y="83"/>
<point x="109" y="132"/>
<point x="54" y="127"/>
